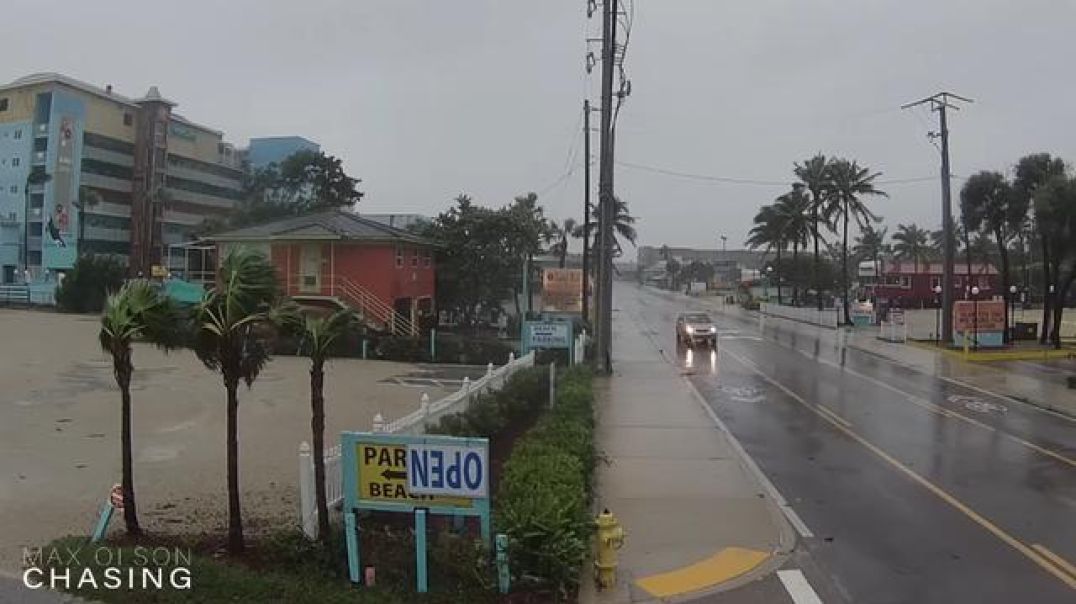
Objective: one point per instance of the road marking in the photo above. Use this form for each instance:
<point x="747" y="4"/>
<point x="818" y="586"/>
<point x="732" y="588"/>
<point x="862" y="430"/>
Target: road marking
<point x="925" y="404"/>
<point x="1011" y="541"/>
<point x="797" y="587"/>
<point x="1058" y="560"/>
<point x="726" y="564"/>
<point x="833" y="415"/>
<point x="752" y="467"/>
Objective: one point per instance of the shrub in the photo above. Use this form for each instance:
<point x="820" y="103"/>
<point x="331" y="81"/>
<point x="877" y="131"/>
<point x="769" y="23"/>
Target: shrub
<point x="85" y="287"/>
<point x="543" y="500"/>
<point x="526" y="392"/>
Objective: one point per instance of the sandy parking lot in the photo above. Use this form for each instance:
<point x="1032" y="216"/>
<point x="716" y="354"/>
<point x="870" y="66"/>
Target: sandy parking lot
<point x="59" y="430"/>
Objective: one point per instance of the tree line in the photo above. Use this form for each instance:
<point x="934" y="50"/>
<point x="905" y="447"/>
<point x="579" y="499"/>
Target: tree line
<point x="1027" y="221"/>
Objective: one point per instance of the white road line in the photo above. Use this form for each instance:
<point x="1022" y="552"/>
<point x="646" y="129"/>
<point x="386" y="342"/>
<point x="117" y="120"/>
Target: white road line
<point x="797" y="587"/>
<point x="782" y="504"/>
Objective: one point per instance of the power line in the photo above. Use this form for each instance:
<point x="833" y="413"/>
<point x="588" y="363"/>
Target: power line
<point x="751" y="181"/>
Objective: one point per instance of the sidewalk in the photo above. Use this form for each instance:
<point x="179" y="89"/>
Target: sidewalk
<point x="697" y="518"/>
<point x="1009" y="380"/>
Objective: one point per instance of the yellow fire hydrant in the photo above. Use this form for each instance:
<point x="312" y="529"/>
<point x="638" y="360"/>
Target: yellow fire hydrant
<point x="610" y="539"/>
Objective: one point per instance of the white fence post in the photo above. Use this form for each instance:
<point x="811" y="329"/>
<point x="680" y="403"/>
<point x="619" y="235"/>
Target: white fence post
<point x="552" y="384"/>
<point x="379" y="423"/>
<point x="489" y="369"/>
<point x="307" y="503"/>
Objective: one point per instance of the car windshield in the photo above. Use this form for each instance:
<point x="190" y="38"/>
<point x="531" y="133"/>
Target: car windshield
<point x="697" y="319"/>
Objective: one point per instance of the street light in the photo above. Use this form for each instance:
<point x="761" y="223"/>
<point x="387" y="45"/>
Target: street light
<point x="975" y="315"/>
<point x="937" y="315"/>
<point x="769" y="277"/>
<point x="1012" y="313"/>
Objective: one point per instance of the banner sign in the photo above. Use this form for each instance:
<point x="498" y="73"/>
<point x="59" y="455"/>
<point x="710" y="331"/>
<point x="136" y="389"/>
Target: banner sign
<point x="991" y="315"/>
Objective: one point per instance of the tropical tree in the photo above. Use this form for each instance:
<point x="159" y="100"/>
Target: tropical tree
<point x="562" y="233"/>
<point x="528" y="228"/>
<point x="1032" y="174"/>
<point x="852" y="185"/>
<point x="911" y="243"/>
<point x="134" y="313"/>
<point x="672" y="269"/>
<point x="319" y="335"/>
<point x="794" y="209"/>
<point x="816" y="176"/>
<point x="871" y="245"/>
<point x="232" y="325"/>
<point x="1055" y="212"/>
<point x="993" y="206"/>
<point x="769" y="234"/>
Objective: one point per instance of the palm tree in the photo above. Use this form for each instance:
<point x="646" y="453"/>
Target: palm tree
<point x="871" y="245"/>
<point x="769" y="234"/>
<point x="992" y="206"/>
<point x="816" y="176"/>
<point x="137" y="312"/>
<point x="851" y="184"/>
<point x="319" y="334"/>
<point x="623" y="224"/>
<point x="794" y="208"/>
<point x="1033" y="173"/>
<point x="911" y="243"/>
<point x="561" y="234"/>
<point x="232" y="321"/>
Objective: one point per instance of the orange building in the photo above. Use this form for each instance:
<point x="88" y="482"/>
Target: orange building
<point x="384" y="273"/>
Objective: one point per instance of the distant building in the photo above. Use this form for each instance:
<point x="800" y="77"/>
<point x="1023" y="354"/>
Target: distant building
<point x="729" y="265"/>
<point x="274" y="149"/>
<point x="911" y="285"/>
<point x="85" y="169"/>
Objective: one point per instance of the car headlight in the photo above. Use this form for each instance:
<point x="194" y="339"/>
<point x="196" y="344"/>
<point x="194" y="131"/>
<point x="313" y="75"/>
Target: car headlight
<point x="690" y="329"/>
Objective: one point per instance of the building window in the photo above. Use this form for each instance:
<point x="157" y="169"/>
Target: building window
<point x="128" y="119"/>
<point x="427" y="258"/>
<point x="906" y="282"/>
<point x="17" y="135"/>
<point x="399" y="257"/>
<point x="15" y="162"/>
<point x="3" y="104"/>
<point x="414" y="258"/>
<point x="14" y="189"/>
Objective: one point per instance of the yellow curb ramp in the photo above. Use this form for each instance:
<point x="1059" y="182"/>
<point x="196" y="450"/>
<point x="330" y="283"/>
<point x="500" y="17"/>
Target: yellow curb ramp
<point x="723" y="566"/>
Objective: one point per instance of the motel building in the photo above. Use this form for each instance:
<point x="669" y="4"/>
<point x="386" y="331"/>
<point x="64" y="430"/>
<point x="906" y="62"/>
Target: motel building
<point x="338" y="258"/>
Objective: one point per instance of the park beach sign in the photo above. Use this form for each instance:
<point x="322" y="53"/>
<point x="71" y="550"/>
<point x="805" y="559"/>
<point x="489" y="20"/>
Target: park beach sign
<point x="417" y="475"/>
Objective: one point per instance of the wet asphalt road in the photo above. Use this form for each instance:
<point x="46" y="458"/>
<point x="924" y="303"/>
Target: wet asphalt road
<point x="913" y="488"/>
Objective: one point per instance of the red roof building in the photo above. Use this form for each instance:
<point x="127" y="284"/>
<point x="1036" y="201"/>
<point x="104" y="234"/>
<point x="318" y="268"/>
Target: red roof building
<point x="911" y="284"/>
<point x="384" y="273"/>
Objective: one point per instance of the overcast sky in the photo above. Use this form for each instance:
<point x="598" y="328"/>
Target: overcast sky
<point x="427" y="99"/>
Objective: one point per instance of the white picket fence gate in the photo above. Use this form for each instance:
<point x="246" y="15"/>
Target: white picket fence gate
<point x="892" y="331"/>
<point x="428" y="413"/>
<point x="826" y="317"/>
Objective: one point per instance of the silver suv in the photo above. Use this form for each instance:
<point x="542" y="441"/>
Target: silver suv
<point x="695" y="328"/>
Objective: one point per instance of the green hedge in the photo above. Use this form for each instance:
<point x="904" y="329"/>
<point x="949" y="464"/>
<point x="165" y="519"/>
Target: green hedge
<point x="89" y="282"/>
<point x="543" y="501"/>
<point x="451" y="348"/>
<point x="525" y="394"/>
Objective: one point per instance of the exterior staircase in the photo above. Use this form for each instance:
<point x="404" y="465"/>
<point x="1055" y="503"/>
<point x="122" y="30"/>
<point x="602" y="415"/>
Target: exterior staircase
<point x="374" y="311"/>
<point x="15" y="294"/>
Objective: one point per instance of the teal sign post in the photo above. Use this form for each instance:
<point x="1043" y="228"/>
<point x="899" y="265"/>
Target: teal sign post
<point x="419" y="475"/>
<point x="552" y="333"/>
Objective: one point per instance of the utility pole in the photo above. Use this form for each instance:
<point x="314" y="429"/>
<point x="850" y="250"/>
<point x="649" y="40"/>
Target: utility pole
<point x="586" y="208"/>
<point x="941" y="102"/>
<point x="605" y="190"/>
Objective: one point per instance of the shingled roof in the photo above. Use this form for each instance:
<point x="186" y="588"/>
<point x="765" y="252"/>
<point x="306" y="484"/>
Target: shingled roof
<point x="330" y="225"/>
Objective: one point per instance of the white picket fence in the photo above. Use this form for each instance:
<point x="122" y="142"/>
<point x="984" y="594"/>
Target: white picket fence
<point x="428" y="413"/>
<point x="826" y="317"/>
<point x="580" y="352"/>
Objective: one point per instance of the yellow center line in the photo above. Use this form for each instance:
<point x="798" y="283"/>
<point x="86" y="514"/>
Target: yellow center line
<point x="1056" y="559"/>
<point x="925" y="404"/>
<point x="833" y="415"/>
<point x="1032" y="554"/>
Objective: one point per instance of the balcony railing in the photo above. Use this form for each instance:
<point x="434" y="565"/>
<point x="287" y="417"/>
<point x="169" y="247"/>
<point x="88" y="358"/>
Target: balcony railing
<point x="41" y="129"/>
<point x="39" y="158"/>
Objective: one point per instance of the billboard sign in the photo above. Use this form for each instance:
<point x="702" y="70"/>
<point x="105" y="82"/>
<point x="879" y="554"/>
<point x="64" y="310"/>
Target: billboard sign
<point x="991" y="315"/>
<point x="58" y="244"/>
<point x="562" y="290"/>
